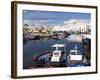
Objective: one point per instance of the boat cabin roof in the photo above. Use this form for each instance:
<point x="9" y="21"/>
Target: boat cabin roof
<point x="58" y="45"/>
<point x="75" y="52"/>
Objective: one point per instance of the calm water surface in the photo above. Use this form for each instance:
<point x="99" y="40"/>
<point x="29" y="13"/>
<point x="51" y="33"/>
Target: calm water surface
<point x="33" y="47"/>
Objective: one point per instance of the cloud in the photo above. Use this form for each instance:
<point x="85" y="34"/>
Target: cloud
<point x="33" y="22"/>
<point x="76" y="21"/>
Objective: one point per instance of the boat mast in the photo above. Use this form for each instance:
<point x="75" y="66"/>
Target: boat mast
<point x="76" y="48"/>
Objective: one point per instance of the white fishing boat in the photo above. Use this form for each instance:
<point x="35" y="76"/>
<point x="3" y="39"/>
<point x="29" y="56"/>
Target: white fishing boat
<point x="55" y="57"/>
<point x="75" y="56"/>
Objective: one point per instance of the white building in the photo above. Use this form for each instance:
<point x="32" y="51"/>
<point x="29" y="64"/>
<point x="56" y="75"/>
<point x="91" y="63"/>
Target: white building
<point x="73" y="25"/>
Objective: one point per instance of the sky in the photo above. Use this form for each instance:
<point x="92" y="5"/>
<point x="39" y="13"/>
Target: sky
<point x="33" y="17"/>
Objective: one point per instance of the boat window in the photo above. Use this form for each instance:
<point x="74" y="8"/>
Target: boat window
<point x="61" y="48"/>
<point x="72" y="52"/>
<point x="53" y="48"/>
<point x="56" y="54"/>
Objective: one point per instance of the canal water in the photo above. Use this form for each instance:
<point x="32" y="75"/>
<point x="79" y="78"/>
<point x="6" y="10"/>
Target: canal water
<point x="34" y="47"/>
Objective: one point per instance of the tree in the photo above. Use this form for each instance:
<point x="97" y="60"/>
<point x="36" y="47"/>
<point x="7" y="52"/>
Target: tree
<point x="26" y="25"/>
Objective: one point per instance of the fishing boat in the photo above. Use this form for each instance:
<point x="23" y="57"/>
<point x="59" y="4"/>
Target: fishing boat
<point x="75" y="58"/>
<point x="55" y="57"/>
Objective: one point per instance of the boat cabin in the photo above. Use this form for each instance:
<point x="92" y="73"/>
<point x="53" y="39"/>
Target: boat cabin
<point x="58" y="51"/>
